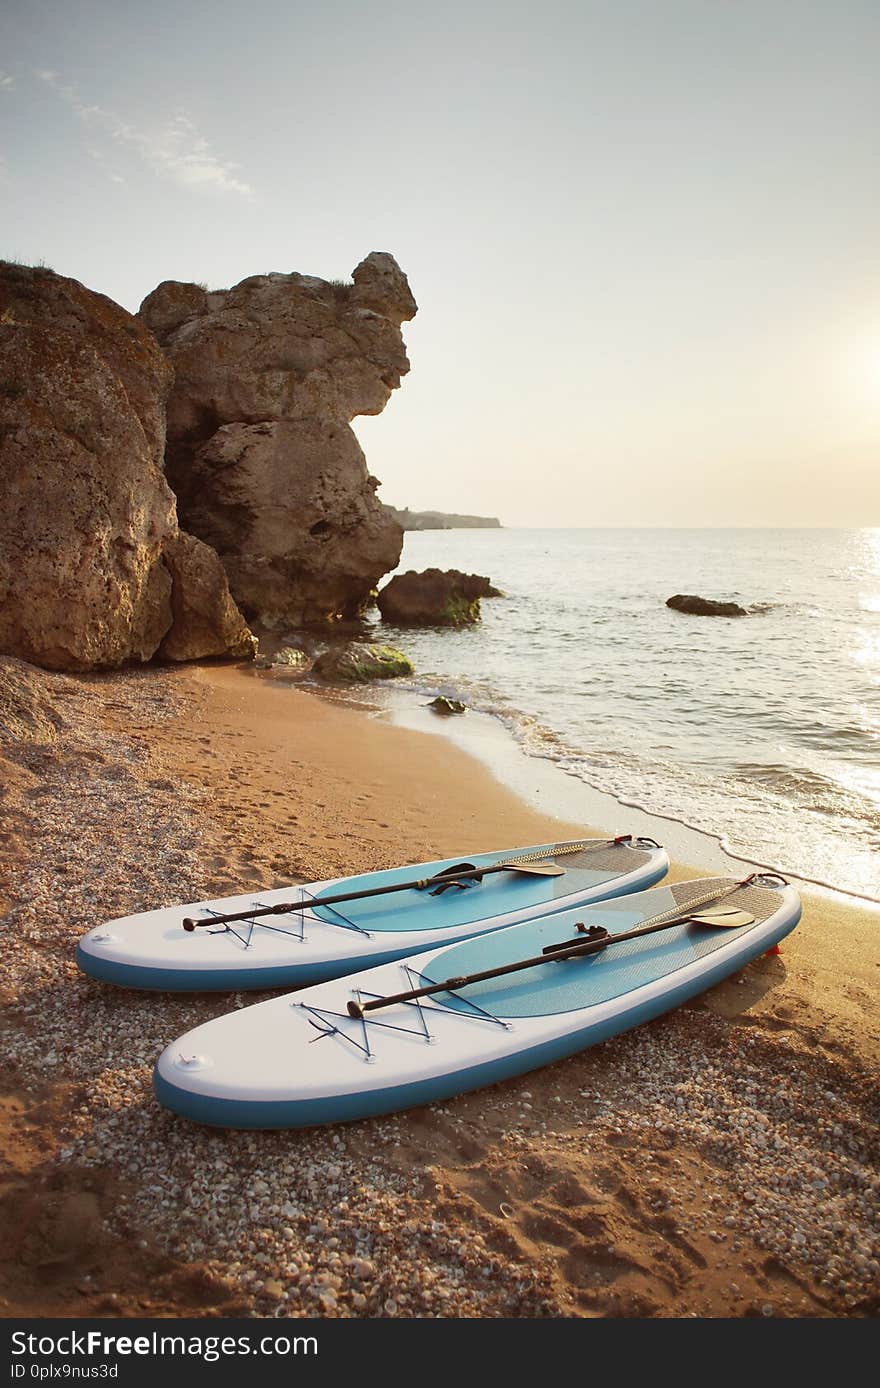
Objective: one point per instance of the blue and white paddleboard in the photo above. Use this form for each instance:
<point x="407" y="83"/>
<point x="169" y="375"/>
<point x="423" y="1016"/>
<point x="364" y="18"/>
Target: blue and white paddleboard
<point x="301" y="1060"/>
<point x="313" y="942"/>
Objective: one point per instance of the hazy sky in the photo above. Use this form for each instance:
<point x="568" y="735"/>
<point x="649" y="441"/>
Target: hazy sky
<point x="643" y="234"/>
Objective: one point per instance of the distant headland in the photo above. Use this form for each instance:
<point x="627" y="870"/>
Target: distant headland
<point x="441" y="520"/>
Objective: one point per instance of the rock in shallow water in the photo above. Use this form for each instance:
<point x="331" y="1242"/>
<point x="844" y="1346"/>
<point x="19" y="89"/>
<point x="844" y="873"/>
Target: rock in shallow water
<point x="445" y="707"/>
<point x="360" y="661"/>
<point x="435" y="597"/>
<point x="705" y="607"/>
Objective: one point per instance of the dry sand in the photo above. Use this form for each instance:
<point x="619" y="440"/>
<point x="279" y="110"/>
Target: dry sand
<point x="720" y="1161"/>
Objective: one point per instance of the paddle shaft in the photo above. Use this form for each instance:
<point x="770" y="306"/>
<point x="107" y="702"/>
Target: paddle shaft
<point x="575" y="951"/>
<point x="283" y="907"/>
<point x="357" y="1009"/>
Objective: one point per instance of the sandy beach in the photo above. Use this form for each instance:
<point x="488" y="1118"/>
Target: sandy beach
<point x="721" y="1161"/>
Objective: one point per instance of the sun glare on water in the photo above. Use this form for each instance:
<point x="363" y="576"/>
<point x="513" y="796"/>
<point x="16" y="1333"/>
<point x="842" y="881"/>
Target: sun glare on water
<point x="867" y="650"/>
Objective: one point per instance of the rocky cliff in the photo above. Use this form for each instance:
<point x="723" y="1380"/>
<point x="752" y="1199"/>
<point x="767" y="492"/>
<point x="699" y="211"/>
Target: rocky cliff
<point x="268" y="376"/>
<point x="91" y="570"/>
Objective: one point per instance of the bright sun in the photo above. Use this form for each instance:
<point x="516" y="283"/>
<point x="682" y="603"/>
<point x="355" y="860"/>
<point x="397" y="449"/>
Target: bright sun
<point x="859" y="370"/>
<point x="871" y="368"/>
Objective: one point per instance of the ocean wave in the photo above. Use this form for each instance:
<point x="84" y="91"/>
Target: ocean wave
<point x="761" y="734"/>
<point x="794" y="782"/>
<point x="754" y="793"/>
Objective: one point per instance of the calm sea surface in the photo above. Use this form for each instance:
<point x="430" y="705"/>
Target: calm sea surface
<point x="764" y="731"/>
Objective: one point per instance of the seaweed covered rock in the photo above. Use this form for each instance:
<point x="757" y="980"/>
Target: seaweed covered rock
<point x="446" y="707"/>
<point x="705" y="607"/>
<point x="268" y="376"/>
<point x="435" y="597"/>
<point x="362" y="661"/>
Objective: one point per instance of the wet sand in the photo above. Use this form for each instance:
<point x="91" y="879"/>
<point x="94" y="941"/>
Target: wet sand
<point x="720" y="1161"/>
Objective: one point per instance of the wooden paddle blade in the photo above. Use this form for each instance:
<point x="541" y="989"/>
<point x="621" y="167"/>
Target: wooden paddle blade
<point x="536" y="869"/>
<point x="728" y="920"/>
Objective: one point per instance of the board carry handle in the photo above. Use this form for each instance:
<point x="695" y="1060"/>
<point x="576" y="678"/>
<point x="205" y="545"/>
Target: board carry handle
<point x="592" y="932"/>
<point x="462" y="874"/>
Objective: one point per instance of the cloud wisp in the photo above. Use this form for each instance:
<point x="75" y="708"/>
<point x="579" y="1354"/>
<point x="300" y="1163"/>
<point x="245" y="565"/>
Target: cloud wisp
<point x="7" y="82"/>
<point x="175" y="150"/>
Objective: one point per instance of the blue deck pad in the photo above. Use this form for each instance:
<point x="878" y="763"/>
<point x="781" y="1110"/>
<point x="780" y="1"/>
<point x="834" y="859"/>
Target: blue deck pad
<point x="418" y="910"/>
<point x="567" y="985"/>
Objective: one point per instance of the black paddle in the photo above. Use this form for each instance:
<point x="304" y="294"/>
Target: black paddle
<point x="598" y="938"/>
<point x="534" y="865"/>
<point x="449" y="877"/>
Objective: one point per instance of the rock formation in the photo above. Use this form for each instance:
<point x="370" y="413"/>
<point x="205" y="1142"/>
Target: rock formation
<point x="268" y="375"/>
<point x="435" y="597"/>
<point x="705" y="607"/>
<point x="90" y="552"/>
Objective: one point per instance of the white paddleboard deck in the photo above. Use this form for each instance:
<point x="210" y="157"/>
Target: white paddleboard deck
<point x="311" y="943"/>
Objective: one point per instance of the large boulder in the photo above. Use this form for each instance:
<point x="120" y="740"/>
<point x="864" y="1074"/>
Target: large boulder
<point x="268" y="376"/>
<point x="705" y="607"/>
<point x="86" y="516"/>
<point x="291" y="510"/>
<point x="205" y="620"/>
<point x="435" y="597"/>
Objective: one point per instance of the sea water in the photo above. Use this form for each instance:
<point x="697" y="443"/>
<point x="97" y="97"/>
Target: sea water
<point x="761" y="731"/>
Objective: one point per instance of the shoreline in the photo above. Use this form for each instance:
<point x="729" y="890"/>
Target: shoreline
<point x="544" y="781"/>
<point x="620" y="1182"/>
<point x="545" y="785"/>
<point x="745" y="731"/>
